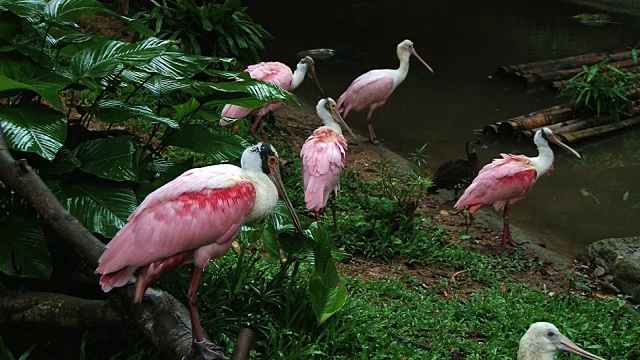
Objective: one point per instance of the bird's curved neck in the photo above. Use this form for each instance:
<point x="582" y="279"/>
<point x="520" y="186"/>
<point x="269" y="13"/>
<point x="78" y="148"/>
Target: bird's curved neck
<point x="544" y="160"/>
<point x="298" y="76"/>
<point x="266" y="196"/>
<point x="403" y="69"/>
<point x="534" y="354"/>
<point x="327" y="120"/>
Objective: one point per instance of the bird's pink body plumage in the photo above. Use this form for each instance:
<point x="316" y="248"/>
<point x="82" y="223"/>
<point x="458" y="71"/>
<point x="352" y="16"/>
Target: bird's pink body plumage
<point x="274" y="72"/>
<point x="369" y="90"/>
<point x="194" y="217"/>
<point x="504" y="180"/>
<point x="323" y="159"/>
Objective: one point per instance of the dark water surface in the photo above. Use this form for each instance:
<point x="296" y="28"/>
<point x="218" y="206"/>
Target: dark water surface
<point x="581" y="201"/>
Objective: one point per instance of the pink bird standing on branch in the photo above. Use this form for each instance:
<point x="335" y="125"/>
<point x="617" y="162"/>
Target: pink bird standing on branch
<point x="193" y="218"/>
<point x="506" y="181"/>
<point x="276" y="73"/>
<point x="373" y="88"/>
<point x="323" y="159"/>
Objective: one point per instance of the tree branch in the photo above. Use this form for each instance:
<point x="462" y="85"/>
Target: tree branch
<point x="56" y="309"/>
<point x="161" y="317"/>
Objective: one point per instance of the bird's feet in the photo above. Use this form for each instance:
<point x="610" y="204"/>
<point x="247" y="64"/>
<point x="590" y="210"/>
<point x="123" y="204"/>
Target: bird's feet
<point x="374" y="142"/>
<point x="510" y="244"/>
<point x="205" y="350"/>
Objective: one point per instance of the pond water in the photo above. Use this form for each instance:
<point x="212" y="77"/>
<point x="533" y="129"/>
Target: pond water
<point x="582" y="201"/>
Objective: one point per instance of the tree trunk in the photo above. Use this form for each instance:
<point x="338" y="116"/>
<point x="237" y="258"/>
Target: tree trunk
<point x="123" y="7"/>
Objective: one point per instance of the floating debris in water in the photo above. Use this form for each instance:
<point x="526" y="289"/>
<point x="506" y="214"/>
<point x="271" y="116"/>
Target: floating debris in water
<point x="594" y="19"/>
<point x="586" y="193"/>
<point x="625" y="197"/>
<point x="317" y="53"/>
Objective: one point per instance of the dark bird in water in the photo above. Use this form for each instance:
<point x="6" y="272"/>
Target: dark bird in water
<point x="457" y="174"/>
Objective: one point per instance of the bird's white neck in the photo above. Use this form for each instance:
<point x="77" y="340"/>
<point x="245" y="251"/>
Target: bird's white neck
<point x="327" y="120"/>
<point x="298" y="76"/>
<point x="266" y="196"/>
<point x="533" y="352"/>
<point x="401" y="72"/>
<point x="544" y="160"/>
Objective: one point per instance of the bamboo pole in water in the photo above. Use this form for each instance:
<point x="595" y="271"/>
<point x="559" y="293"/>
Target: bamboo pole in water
<point x="584" y="124"/>
<point x="552" y="127"/>
<point x="599" y="130"/>
<point x="569" y="62"/>
<point x="552" y="115"/>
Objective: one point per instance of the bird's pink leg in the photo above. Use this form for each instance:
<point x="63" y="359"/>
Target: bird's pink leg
<point x="507" y="240"/>
<point x="335" y="215"/>
<point x="372" y="135"/>
<point x="207" y="350"/>
<point x="254" y="127"/>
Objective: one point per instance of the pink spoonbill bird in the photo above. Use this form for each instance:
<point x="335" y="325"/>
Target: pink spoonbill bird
<point x="543" y="340"/>
<point x="506" y="181"/>
<point x="193" y="218"/>
<point x="276" y="73"/>
<point x="323" y="159"/>
<point x="373" y="88"/>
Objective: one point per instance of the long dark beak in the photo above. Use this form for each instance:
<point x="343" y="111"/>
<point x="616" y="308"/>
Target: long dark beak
<point x="414" y="53"/>
<point x="336" y="116"/>
<point x="313" y="75"/>
<point x="274" y="175"/>
<point x="566" y="345"/>
<point x="554" y="139"/>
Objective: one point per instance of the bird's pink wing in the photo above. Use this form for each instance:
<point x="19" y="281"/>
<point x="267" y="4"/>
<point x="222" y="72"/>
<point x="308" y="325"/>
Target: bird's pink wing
<point x="274" y="72"/>
<point x="506" y="179"/>
<point x="370" y="88"/>
<point x="201" y="207"/>
<point x="323" y="159"/>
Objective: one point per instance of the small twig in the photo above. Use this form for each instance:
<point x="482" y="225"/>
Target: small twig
<point x="453" y="277"/>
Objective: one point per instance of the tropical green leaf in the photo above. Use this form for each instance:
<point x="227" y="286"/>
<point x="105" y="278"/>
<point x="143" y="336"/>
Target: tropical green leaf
<point x="270" y="240"/>
<point x="63" y="163"/>
<point x="177" y="65"/>
<point x="35" y="128"/>
<point x="102" y="60"/>
<point x="327" y="292"/>
<point x="64" y="11"/>
<point x="108" y="158"/>
<point x="163" y="171"/>
<point x="115" y="111"/>
<point x="23" y="249"/>
<point x="102" y="207"/>
<point x="17" y="75"/>
<point x="198" y="138"/>
<point x="24" y="8"/>
<point x="261" y="90"/>
<point x="187" y="108"/>
<point x="161" y="86"/>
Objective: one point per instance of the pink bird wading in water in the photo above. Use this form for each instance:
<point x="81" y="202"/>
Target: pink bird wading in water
<point x="506" y="181"/>
<point x="276" y="73"/>
<point x="323" y="159"/>
<point x="193" y="218"/>
<point x="373" y="88"/>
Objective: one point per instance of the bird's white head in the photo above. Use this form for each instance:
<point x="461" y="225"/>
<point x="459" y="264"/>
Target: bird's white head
<point x="405" y="50"/>
<point x="545" y="135"/>
<point x="306" y="66"/>
<point x="263" y="158"/>
<point x="328" y="111"/>
<point x="543" y="340"/>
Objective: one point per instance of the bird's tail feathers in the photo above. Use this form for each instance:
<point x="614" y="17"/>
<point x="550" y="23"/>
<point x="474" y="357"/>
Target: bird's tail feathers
<point x="118" y="278"/>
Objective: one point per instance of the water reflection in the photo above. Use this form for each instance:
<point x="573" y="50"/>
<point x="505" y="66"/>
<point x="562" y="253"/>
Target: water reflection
<point x="464" y="43"/>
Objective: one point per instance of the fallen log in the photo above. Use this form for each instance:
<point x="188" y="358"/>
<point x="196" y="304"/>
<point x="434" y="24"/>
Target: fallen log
<point x="599" y="130"/>
<point x="559" y="113"/>
<point x="584" y="124"/>
<point x="569" y="62"/>
<point x="552" y="127"/>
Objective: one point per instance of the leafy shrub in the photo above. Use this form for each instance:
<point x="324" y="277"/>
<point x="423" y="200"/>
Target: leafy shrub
<point x="602" y="88"/>
<point x="217" y="29"/>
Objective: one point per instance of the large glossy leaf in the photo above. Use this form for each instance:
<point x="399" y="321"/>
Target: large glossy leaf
<point x="327" y="291"/>
<point x="63" y="163"/>
<point x="17" y="75"/>
<point x="261" y="90"/>
<point x="36" y="129"/>
<point x="103" y="60"/>
<point x="108" y="158"/>
<point x="115" y="111"/>
<point x="177" y="65"/>
<point x="23" y="249"/>
<point x="102" y="207"/>
<point x="161" y="86"/>
<point x="198" y="138"/>
<point x="23" y="8"/>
